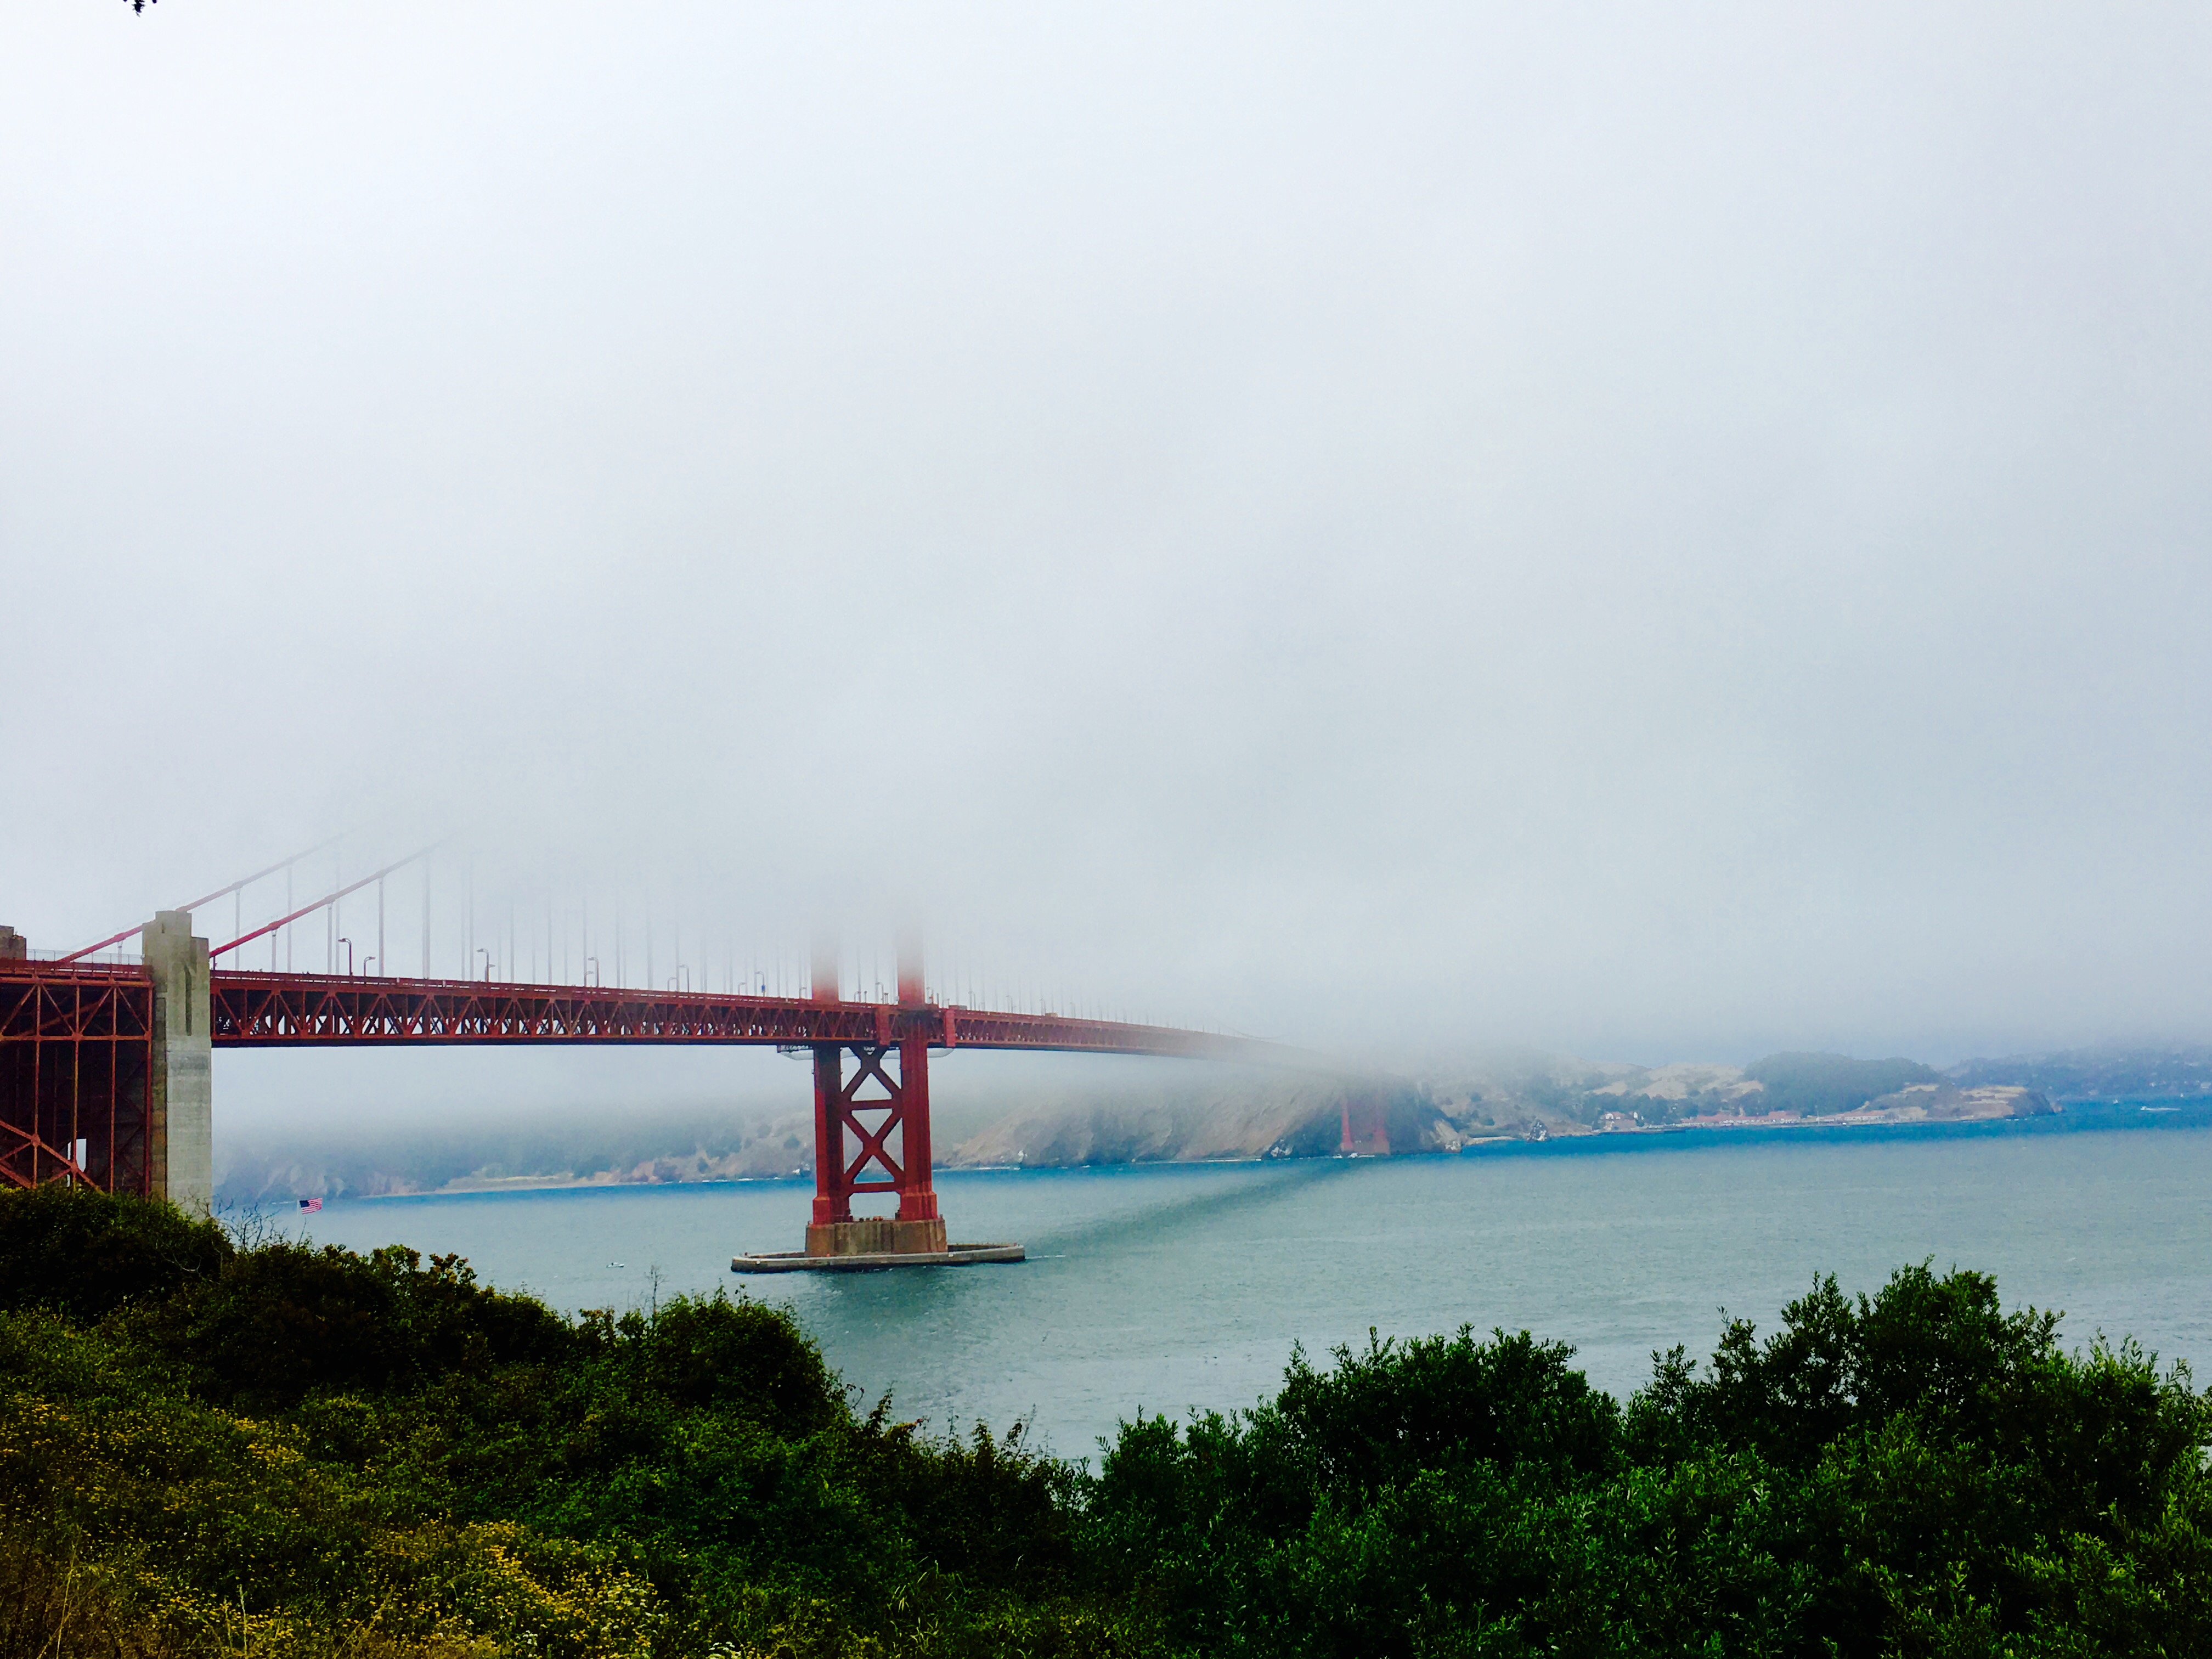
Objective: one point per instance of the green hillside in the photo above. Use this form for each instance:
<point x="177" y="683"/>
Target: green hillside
<point x="1816" y="1085"/>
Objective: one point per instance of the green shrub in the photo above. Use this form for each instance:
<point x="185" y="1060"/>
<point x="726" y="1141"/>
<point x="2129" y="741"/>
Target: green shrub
<point x="84" y="1253"/>
<point x="284" y="1452"/>
<point x="276" y="1322"/>
<point x="739" y="1357"/>
<point x="1918" y="1471"/>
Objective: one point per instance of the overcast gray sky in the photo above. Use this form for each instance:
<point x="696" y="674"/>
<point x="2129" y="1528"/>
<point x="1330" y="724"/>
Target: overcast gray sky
<point x="1661" y="532"/>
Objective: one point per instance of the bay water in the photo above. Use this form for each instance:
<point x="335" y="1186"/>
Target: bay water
<point x="1174" y="1287"/>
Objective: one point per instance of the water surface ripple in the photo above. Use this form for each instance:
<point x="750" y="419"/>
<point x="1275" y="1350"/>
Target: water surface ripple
<point x="1170" y="1287"/>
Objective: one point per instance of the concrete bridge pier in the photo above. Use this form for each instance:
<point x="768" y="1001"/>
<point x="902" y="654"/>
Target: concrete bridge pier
<point x="180" y="1084"/>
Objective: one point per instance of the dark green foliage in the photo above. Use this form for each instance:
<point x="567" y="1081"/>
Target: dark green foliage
<point x="1817" y="1084"/>
<point x="276" y="1322"/>
<point x="282" y="1449"/>
<point x="1331" y="1519"/>
<point x="83" y="1253"/>
<point x="1438" y="1404"/>
<point x="368" y="1440"/>
<point x="747" y="1359"/>
<point x="1915" y="1473"/>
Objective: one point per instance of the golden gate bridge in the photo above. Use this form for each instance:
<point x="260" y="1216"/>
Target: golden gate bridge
<point x="107" y="1075"/>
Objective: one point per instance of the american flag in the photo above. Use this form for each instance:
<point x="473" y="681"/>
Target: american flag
<point x="311" y="1204"/>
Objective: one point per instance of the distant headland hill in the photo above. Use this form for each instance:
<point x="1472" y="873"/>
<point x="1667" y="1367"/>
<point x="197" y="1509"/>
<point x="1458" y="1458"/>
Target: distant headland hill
<point x="1524" y="1096"/>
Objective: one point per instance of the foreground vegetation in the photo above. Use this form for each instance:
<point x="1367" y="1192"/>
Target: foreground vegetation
<point x="207" y="1449"/>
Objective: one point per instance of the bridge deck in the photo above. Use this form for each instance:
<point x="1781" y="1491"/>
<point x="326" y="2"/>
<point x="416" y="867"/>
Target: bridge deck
<point x="278" y="1009"/>
<point x="80" y="1100"/>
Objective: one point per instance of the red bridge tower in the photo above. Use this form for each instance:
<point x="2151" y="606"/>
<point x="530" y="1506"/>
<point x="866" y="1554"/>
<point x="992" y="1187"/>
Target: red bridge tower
<point x="853" y="1155"/>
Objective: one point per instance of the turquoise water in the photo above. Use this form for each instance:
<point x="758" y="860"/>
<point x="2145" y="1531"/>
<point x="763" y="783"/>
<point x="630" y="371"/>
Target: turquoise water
<point x="1170" y="1287"/>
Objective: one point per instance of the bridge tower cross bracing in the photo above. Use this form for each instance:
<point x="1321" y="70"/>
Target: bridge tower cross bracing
<point x="853" y="1156"/>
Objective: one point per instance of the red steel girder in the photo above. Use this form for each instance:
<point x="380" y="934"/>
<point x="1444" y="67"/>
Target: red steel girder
<point x="254" y="1009"/>
<point x="76" y="1056"/>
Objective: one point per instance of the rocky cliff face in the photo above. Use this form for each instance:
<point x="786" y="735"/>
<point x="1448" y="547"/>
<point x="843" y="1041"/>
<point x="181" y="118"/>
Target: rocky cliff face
<point x="1272" y="1117"/>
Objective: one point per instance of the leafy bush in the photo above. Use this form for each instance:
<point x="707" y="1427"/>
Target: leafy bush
<point x="273" y="1323"/>
<point x="320" y="1447"/>
<point x="1915" y="1473"/>
<point x="277" y="1451"/>
<point x="83" y="1253"/>
<point x="738" y="1356"/>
